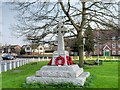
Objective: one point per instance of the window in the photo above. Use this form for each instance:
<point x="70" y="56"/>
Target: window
<point x="119" y="38"/>
<point x="40" y="48"/>
<point x="28" y="48"/>
<point x="113" y="52"/>
<point x="118" y="52"/>
<point x="95" y="45"/>
<point x="95" y="53"/>
<point x="100" y="52"/>
<point x="100" y="45"/>
<point x="113" y="38"/>
<point x="114" y="45"/>
<point x="118" y="45"/>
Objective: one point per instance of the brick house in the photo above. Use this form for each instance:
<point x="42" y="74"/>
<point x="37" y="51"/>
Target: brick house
<point x="107" y="42"/>
<point x="11" y="49"/>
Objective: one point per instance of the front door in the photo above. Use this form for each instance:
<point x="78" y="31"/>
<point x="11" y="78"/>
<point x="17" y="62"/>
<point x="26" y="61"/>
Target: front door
<point x="106" y="53"/>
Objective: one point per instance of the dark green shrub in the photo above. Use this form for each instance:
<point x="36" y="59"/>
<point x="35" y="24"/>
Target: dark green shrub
<point x="22" y="51"/>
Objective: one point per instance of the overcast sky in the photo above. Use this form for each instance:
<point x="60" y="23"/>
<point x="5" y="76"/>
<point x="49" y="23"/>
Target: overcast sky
<point x="7" y="18"/>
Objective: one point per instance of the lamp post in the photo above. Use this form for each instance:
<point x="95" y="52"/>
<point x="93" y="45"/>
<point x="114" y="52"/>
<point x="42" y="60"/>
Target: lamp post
<point x="83" y="47"/>
<point x="33" y="50"/>
<point x="98" y="46"/>
<point x="33" y="47"/>
<point x="83" y="34"/>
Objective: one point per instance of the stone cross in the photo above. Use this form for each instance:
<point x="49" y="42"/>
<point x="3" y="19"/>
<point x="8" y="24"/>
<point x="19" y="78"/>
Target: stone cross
<point x="60" y="29"/>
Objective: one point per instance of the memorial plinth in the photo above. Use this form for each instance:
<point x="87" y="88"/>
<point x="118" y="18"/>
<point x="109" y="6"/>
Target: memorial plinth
<point x="60" y="68"/>
<point x="70" y="71"/>
<point x="59" y="74"/>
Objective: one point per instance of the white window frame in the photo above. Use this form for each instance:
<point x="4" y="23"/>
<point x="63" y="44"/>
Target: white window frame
<point x="114" y="45"/>
<point x="95" y="53"/>
<point x="100" y="52"/>
<point x="95" y="45"/>
<point x="118" y="45"/>
<point x="118" y="52"/>
<point x="100" y="45"/>
<point x="113" y="38"/>
<point x="113" y="52"/>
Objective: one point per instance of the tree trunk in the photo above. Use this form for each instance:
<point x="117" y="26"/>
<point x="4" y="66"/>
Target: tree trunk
<point x="80" y="49"/>
<point x="79" y="30"/>
<point x="80" y="37"/>
<point x="81" y="62"/>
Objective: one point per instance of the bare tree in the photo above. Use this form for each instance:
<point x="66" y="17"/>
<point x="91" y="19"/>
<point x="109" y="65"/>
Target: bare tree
<point x="39" y="18"/>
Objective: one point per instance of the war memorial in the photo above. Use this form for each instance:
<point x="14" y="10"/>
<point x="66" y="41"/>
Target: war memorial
<point x="60" y="69"/>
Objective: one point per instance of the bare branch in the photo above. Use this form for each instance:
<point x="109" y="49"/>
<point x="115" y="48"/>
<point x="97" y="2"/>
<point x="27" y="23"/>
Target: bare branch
<point x="71" y="20"/>
<point x="92" y="5"/>
<point x="68" y="6"/>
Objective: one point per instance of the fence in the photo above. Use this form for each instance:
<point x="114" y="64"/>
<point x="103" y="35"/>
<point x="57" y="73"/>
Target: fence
<point x="9" y="65"/>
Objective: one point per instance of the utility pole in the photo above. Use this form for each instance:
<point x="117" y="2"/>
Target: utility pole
<point x="98" y="37"/>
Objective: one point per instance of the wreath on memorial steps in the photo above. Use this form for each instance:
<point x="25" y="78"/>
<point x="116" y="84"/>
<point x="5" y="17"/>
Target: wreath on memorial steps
<point x="69" y="60"/>
<point x="50" y="62"/>
<point x="60" y="61"/>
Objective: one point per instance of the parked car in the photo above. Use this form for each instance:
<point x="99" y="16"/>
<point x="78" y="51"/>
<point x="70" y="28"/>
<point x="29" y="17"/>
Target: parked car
<point x="7" y="57"/>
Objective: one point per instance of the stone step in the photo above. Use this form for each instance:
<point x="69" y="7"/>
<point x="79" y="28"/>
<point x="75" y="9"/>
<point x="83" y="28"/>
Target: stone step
<point x="65" y="68"/>
<point x="85" y="75"/>
<point x="66" y="74"/>
<point x="71" y="71"/>
<point x="46" y="80"/>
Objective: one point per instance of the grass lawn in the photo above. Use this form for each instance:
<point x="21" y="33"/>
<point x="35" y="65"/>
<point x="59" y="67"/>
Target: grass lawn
<point x="14" y="79"/>
<point x="103" y="76"/>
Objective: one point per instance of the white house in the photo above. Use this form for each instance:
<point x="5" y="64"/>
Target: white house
<point x="40" y="49"/>
<point x="27" y="48"/>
